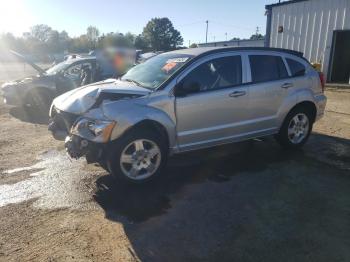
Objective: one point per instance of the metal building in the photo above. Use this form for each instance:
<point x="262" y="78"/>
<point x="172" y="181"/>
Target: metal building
<point x="234" y="43"/>
<point x="318" y="28"/>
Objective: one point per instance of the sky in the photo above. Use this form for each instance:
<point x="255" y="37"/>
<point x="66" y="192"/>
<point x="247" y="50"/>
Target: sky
<point x="236" y="18"/>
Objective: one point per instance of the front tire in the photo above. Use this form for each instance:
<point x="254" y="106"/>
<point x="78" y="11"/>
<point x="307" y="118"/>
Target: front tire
<point x="295" y="129"/>
<point x="137" y="157"/>
<point x="39" y="100"/>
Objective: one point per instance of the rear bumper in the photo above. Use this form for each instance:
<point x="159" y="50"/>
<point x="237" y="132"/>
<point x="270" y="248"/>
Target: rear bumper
<point x="321" y="101"/>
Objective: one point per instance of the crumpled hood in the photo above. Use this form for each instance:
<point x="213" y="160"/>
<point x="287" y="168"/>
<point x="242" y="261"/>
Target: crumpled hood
<point x="80" y="100"/>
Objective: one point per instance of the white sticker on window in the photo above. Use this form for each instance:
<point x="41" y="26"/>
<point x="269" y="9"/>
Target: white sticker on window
<point x="177" y="60"/>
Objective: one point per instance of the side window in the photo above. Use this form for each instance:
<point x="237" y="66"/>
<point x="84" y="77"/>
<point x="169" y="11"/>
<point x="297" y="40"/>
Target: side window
<point x="296" y="68"/>
<point x="267" y="68"/>
<point x="214" y="74"/>
<point x="73" y="70"/>
<point x="77" y="69"/>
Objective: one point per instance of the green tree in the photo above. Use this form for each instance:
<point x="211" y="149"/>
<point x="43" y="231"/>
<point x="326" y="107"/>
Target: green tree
<point x="161" y="34"/>
<point x="257" y="37"/>
<point x="141" y="43"/>
<point x="194" y="45"/>
<point x="130" y="38"/>
<point x="64" y="40"/>
<point x="79" y="44"/>
<point x="40" y="32"/>
<point x="92" y="34"/>
<point x="116" y="40"/>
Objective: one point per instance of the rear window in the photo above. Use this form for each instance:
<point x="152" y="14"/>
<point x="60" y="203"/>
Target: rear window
<point x="296" y="68"/>
<point x="267" y="68"/>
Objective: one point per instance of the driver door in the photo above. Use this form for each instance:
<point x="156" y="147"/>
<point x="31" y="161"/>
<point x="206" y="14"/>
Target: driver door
<point x="214" y="108"/>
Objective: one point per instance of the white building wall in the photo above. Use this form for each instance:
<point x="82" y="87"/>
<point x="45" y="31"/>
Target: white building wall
<point x="308" y="27"/>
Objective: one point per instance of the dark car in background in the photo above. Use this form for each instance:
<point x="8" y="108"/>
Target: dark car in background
<point x="38" y="91"/>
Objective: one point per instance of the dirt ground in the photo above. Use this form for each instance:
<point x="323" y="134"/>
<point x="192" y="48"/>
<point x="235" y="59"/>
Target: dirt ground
<point x="250" y="201"/>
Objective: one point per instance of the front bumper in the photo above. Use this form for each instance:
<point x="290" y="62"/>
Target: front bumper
<point x="60" y="123"/>
<point x="13" y="100"/>
<point x="77" y="147"/>
<point x="13" y="94"/>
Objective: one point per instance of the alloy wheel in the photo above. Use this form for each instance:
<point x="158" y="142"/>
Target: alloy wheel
<point x="298" y="128"/>
<point x="140" y="159"/>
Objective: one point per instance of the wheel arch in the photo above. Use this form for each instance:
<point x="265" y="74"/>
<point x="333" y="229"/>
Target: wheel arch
<point x="309" y="105"/>
<point x="165" y="130"/>
<point x="152" y="125"/>
<point x="41" y="90"/>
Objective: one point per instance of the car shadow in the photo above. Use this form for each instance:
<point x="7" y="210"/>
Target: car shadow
<point x="30" y="115"/>
<point x="245" y="201"/>
<point x="216" y="164"/>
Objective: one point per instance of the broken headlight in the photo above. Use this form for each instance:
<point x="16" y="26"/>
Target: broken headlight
<point x="94" y="130"/>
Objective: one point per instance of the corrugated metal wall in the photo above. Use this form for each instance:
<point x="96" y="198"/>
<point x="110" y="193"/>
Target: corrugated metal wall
<point x="235" y="43"/>
<point x="308" y="27"/>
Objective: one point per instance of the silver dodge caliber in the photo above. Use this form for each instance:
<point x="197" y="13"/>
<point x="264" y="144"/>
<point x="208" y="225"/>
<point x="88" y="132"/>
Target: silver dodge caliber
<point x="187" y="100"/>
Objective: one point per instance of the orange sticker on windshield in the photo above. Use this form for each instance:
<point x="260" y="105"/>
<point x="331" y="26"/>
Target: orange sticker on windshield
<point x="169" y="66"/>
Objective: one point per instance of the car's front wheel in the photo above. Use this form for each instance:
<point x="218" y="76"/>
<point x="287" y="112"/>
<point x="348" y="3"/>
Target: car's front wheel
<point x="296" y="128"/>
<point x="137" y="157"/>
<point x="39" y="100"/>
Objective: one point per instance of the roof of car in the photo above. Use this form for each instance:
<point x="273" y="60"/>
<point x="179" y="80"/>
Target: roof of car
<point x="206" y="50"/>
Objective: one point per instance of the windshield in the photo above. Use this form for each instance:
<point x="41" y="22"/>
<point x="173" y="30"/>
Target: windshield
<point x="57" y="68"/>
<point x="152" y="73"/>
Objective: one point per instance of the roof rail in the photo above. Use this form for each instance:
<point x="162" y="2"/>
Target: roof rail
<point x="288" y="51"/>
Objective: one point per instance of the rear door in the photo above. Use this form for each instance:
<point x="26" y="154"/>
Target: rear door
<point x="269" y="86"/>
<point x="217" y="111"/>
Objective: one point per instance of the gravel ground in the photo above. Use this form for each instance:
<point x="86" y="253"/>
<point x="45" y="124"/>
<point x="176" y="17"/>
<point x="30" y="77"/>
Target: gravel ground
<point x="250" y="201"/>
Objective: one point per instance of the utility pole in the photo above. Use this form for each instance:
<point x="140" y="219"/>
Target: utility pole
<point x="206" y="33"/>
<point x="226" y="36"/>
<point x="189" y="43"/>
<point x="257" y="31"/>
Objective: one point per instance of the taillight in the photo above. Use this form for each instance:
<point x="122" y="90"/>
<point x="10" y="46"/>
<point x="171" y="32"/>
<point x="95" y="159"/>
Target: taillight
<point x="322" y="80"/>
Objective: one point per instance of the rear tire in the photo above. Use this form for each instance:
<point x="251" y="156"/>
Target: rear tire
<point x="137" y="157"/>
<point x="296" y="128"/>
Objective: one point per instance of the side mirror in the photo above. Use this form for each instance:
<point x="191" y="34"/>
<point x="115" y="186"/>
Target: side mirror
<point x="183" y="89"/>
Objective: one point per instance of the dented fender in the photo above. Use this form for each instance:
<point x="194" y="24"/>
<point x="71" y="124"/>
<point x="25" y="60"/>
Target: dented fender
<point x="128" y="115"/>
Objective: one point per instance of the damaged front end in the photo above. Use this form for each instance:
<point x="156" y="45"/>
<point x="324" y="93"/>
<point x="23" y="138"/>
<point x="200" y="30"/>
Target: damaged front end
<point x="82" y="136"/>
<point x="77" y="147"/>
<point x="77" y="118"/>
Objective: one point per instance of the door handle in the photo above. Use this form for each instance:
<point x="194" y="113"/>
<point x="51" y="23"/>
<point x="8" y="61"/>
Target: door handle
<point x="287" y="85"/>
<point x="237" y="93"/>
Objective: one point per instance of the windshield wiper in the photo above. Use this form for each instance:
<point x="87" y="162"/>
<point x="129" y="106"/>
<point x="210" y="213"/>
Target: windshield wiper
<point x="133" y="81"/>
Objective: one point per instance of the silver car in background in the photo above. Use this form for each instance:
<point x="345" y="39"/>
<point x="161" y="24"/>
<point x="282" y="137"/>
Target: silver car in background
<point x="187" y="100"/>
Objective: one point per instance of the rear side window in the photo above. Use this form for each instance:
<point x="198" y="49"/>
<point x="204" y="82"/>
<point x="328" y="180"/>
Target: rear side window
<point x="216" y="74"/>
<point x="267" y="68"/>
<point x="296" y="68"/>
